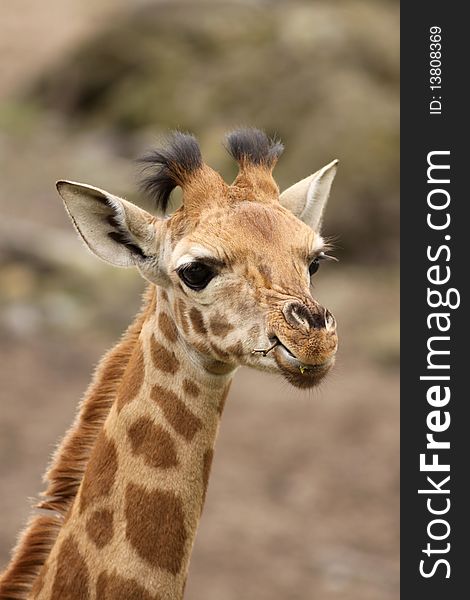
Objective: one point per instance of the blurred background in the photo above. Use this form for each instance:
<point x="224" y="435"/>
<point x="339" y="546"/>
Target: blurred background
<point x="303" y="499"/>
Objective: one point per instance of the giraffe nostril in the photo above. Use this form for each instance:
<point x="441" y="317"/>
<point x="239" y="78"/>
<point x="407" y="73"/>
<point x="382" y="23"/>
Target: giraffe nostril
<point x="299" y="315"/>
<point x="303" y="316"/>
<point x="330" y="321"/>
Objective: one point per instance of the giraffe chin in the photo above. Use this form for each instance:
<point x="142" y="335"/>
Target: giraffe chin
<point x="296" y="372"/>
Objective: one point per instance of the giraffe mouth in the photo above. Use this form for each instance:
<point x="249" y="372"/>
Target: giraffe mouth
<point x="297" y="372"/>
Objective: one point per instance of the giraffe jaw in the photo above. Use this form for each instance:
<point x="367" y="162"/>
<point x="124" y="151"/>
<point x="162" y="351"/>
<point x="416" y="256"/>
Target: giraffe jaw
<point x="298" y="373"/>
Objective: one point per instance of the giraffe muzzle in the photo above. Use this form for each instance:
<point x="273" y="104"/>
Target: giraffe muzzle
<point x="306" y="342"/>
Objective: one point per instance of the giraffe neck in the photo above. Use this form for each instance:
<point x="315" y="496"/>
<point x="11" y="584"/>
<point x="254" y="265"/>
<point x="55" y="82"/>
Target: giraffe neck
<point x="131" y="529"/>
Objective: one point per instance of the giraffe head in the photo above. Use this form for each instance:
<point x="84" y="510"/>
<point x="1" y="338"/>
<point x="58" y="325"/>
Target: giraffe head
<point x="235" y="262"/>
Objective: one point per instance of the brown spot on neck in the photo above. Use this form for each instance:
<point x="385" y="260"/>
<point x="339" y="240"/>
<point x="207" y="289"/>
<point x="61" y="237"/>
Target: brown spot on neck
<point x="155" y="527"/>
<point x="163" y="359"/>
<point x="197" y="321"/>
<point x="100" y="473"/>
<point x="167" y="327"/>
<point x="99" y="527"/>
<point x="219" y="326"/>
<point x="153" y="443"/>
<point x="190" y="388"/>
<point x="133" y="378"/>
<point x="71" y="580"/>
<point x="111" y="586"/>
<point x="176" y="412"/>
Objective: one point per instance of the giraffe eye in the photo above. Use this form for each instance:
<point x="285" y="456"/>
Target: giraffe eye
<point x="196" y="275"/>
<point x="314" y="266"/>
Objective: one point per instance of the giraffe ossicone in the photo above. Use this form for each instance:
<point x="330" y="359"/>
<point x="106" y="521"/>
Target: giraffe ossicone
<point x="229" y="273"/>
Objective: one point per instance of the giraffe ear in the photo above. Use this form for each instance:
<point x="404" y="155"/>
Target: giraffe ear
<point x="117" y="231"/>
<point x="307" y="198"/>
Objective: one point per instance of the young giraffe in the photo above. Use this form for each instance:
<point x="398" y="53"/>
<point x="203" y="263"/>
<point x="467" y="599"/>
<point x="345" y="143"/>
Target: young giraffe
<point x="229" y="275"/>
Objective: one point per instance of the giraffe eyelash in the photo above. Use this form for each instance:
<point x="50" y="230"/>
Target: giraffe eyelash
<point x="322" y="256"/>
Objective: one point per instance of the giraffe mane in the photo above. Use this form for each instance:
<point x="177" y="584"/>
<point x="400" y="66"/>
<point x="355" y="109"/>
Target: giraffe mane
<point x="66" y="470"/>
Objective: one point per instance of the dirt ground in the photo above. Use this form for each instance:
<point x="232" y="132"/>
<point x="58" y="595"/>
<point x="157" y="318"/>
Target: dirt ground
<point x="303" y="498"/>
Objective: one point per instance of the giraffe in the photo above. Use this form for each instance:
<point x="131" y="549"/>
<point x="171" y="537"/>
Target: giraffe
<point x="228" y="284"/>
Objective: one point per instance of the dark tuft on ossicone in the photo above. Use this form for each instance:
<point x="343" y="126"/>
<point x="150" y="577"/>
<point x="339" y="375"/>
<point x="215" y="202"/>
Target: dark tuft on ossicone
<point x="167" y="167"/>
<point x="253" y="145"/>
